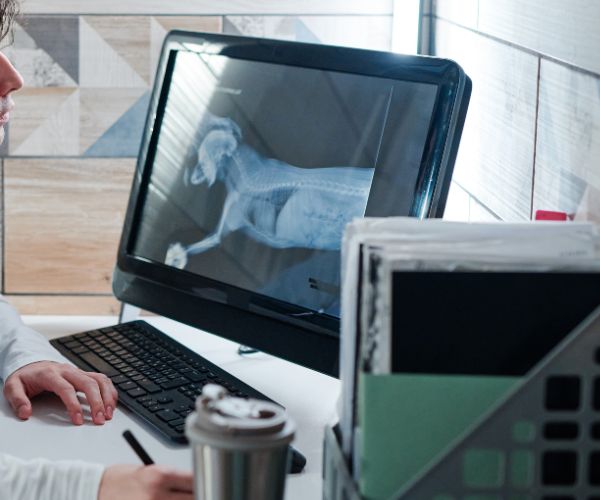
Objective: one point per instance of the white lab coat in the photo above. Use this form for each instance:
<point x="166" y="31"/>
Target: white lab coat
<point x="37" y="479"/>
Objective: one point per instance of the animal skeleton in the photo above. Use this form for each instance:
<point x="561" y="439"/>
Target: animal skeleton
<point x="278" y="204"/>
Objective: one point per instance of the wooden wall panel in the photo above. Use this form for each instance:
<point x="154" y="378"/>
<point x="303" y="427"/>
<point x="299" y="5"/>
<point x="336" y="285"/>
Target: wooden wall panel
<point x="63" y="220"/>
<point x="495" y="158"/>
<point x="567" y="173"/>
<point x="65" y="304"/>
<point x="567" y="31"/>
<point x="205" y="7"/>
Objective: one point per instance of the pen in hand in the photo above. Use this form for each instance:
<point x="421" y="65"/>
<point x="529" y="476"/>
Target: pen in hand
<point x="137" y="447"/>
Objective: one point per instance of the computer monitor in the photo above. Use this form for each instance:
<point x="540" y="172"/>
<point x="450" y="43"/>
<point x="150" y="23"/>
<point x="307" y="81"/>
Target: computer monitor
<point x="255" y="155"/>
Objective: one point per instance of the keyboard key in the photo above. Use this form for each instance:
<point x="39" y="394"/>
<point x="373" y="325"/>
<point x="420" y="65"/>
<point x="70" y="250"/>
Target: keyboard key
<point x="148" y="385"/>
<point x="176" y="382"/>
<point x="177" y="422"/>
<point x="119" y="379"/>
<point x="80" y="350"/>
<point x="154" y="408"/>
<point x="127" y="386"/>
<point x="72" y="344"/>
<point x="164" y="400"/>
<point x="195" y="376"/>
<point x="98" y="363"/>
<point x="167" y="415"/>
<point x="136" y="392"/>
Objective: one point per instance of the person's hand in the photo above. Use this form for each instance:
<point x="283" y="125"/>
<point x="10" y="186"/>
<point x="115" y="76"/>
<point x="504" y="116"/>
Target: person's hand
<point x="65" y="381"/>
<point x="151" y="482"/>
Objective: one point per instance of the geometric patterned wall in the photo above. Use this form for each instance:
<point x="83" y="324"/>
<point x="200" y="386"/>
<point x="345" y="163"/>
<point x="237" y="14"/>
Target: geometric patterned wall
<point x="71" y="144"/>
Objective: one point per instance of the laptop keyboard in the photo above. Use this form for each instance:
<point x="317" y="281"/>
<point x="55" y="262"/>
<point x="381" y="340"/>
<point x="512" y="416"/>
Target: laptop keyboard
<point x="157" y="378"/>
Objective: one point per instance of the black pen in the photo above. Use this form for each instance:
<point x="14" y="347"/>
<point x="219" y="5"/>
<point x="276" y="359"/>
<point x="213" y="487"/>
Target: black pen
<point x="137" y="447"/>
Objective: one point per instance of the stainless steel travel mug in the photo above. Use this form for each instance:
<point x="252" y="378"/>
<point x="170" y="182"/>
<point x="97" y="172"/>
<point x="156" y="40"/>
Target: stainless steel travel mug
<point x="239" y="446"/>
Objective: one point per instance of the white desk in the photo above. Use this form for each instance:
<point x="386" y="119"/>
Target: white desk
<point x="309" y="397"/>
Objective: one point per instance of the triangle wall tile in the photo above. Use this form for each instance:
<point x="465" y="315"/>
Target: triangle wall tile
<point x="100" y="108"/>
<point x="4" y="145"/>
<point x="33" y="108"/>
<point x="58" y="36"/>
<point x="100" y="65"/>
<point x="157" y="36"/>
<point x="124" y="137"/>
<point x="230" y="28"/>
<point x="129" y="36"/>
<point x="369" y="32"/>
<point x="304" y="33"/>
<point x="58" y="135"/>
<point x="36" y="66"/>
<point x="279" y="27"/>
<point x="161" y="25"/>
<point x="211" y="24"/>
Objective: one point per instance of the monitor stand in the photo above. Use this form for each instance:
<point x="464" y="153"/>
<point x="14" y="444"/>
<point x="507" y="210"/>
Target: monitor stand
<point x="128" y="313"/>
<point x="131" y="313"/>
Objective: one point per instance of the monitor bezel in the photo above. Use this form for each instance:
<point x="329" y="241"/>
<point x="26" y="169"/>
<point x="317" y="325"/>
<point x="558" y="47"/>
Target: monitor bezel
<point x="268" y="324"/>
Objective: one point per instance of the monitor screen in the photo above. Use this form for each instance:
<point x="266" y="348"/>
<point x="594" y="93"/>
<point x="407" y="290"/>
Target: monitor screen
<point x="258" y="153"/>
<point x="258" y="168"/>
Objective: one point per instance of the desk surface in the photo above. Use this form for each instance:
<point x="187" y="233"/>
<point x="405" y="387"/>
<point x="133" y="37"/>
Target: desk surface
<point x="309" y="397"/>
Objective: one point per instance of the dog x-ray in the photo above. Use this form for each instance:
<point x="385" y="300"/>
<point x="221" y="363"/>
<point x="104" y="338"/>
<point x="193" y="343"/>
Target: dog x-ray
<point x="258" y="168"/>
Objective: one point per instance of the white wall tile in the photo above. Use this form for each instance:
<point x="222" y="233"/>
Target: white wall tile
<point x="479" y="213"/>
<point x="566" y="30"/>
<point x="495" y="159"/>
<point x="567" y="173"/>
<point x="463" y="12"/>
<point x="457" y="206"/>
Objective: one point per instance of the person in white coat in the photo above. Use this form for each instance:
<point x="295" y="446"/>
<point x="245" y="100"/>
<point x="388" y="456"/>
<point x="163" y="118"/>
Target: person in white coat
<point x="29" y="366"/>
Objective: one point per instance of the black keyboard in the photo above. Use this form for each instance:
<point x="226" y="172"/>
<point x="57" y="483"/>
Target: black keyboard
<point x="156" y="377"/>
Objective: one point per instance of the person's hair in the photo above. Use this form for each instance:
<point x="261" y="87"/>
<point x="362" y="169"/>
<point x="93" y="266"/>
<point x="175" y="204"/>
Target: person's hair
<point x="8" y="11"/>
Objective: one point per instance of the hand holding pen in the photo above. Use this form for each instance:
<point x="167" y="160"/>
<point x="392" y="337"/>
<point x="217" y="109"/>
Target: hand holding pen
<point x="150" y="482"/>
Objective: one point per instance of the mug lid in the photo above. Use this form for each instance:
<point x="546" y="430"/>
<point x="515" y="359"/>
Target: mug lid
<point x="216" y="411"/>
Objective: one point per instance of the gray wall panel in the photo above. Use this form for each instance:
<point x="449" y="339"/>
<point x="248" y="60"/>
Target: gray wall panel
<point x="564" y="30"/>
<point x="567" y="174"/>
<point x="495" y="159"/>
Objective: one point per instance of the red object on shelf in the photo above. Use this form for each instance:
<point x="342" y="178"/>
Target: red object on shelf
<point x="550" y="215"/>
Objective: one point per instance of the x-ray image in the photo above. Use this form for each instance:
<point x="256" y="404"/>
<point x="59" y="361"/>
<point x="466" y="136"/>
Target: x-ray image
<point x="259" y="167"/>
<point x="272" y="202"/>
